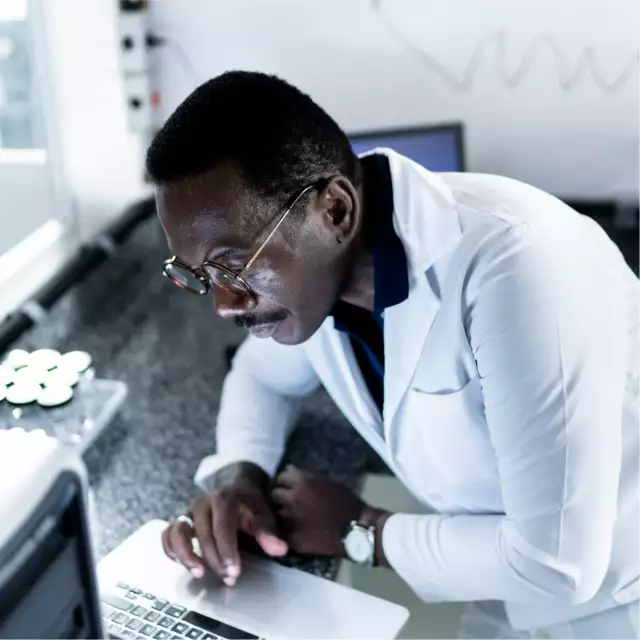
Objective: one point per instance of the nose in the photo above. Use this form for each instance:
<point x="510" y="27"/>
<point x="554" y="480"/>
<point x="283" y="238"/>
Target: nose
<point x="229" y="305"/>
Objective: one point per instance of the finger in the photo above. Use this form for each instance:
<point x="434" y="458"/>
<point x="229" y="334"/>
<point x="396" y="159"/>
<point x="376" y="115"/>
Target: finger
<point x="225" y="533"/>
<point x="260" y="522"/>
<point x="166" y="545"/>
<point x="179" y="538"/>
<point x="271" y="544"/>
<point x="204" y="532"/>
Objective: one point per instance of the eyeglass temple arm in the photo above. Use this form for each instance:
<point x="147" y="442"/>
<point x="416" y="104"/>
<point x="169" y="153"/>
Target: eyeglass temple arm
<point x="271" y="234"/>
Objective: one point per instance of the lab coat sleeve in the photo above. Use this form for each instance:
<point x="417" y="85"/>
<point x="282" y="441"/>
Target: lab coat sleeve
<point x="258" y="406"/>
<point x="547" y="325"/>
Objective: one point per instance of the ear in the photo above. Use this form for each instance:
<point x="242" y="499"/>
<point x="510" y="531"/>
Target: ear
<point x="340" y="207"/>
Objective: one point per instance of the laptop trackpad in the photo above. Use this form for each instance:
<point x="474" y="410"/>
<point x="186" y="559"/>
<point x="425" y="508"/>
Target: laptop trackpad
<point x="262" y="591"/>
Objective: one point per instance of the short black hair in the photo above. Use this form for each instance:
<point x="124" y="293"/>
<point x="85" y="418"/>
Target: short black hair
<point x="277" y="136"/>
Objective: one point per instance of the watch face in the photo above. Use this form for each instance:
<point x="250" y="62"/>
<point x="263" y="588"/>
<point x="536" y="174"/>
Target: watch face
<point x="358" y="545"/>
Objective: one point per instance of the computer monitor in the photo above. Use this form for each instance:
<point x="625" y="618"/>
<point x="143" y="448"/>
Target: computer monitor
<point x="437" y="148"/>
<point x="47" y="581"/>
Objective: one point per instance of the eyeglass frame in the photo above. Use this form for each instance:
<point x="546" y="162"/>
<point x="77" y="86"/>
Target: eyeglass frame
<point x="200" y="272"/>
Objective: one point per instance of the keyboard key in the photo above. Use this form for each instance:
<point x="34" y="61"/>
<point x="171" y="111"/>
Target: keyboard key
<point x="174" y="610"/>
<point x="107" y="610"/>
<point x="148" y="596"/>
<point x="122" y="585"/>
<point x="148" y="630"/>
<point x="166" y="622"/>
<point x="121" y="618"/>
<point x="209" y="636"/>
<point x="135" y="624"/>
<point x="152" y="616"/>
<point x="136" y="591"/>
<point x="114" y="629"/>
<point x="127" y="634"/>
<point x="193" y="633"/>
<point x="179" y="627"/>
<point x="132" y="595"/>
<point x="116" y="601"/>
<point x="159" y="604"/>
<point x="161" y="635"/>
<point x="139" y="611"/>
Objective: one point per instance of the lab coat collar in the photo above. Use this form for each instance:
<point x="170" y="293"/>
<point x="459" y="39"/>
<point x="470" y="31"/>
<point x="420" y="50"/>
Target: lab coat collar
<point x="426" y="221"/>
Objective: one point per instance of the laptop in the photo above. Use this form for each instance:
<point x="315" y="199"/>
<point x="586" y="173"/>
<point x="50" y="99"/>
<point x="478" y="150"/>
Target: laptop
<point x="146" y="595"/>
<point x="50" y="586"/>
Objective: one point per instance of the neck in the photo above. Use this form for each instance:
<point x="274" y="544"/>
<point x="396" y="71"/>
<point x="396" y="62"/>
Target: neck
<point x="359" y="290"/>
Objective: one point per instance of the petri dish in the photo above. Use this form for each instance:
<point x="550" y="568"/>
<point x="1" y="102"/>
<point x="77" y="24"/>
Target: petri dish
<point x="61" y="378"/>
<point x="17" y="358"/>
<point x="7" y="375"/>
<point x="54" y="396"/>
<point x="78" y="361"/>
<point x="23" y="393"/>
<point x="44" y="358"/>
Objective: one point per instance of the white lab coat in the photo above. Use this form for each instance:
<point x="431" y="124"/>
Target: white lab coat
<point x="511" y="399"/>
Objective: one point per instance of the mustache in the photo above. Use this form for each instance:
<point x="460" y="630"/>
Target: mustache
<point x="254" y="319"/>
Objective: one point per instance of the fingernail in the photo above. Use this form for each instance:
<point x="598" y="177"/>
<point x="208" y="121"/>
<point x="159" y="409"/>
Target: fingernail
<point x="233" y="570"/>
<point x="197" y="572"/>
<point x="229" y="581"/>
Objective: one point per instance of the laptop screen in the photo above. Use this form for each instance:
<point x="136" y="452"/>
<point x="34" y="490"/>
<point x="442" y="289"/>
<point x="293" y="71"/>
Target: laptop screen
<point x="47" y="583"/>
<point x="435" y="148"/>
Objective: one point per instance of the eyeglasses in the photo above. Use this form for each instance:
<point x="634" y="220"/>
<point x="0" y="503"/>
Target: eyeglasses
<point x="201" y="280"/>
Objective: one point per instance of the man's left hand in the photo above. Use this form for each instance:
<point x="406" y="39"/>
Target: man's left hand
<point x="315" y="511"/>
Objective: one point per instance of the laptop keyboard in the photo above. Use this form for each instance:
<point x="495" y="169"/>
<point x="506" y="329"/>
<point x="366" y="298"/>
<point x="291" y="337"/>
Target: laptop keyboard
<point x="133" y="614"/>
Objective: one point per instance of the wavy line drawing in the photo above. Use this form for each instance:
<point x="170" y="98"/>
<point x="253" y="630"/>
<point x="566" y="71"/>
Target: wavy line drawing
<point x="569" y="73"/>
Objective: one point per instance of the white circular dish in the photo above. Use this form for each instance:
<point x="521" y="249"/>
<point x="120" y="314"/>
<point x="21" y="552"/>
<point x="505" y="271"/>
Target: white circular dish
<point x="30" y="375"/>
<point x="44" y="358"/>
<point x="75" y="361"/>
<point x="7" y="375"/>
<point x="54" y="396"/>
<point x="61" y="378"/>
<point x="23" y="393"/>
<point x="17" y="358"/>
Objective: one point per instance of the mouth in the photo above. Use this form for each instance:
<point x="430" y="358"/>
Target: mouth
<point x="265" y="330"/>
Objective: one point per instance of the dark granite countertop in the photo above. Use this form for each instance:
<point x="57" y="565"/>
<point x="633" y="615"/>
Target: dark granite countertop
<point x="168" y="346"/>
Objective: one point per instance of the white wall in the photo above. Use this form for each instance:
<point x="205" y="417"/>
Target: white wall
<point x="373" y="67"/>
<point x="93" y="165"/>
<point x="102" y="162"/>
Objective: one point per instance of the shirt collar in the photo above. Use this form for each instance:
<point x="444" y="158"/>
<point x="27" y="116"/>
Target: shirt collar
<point x="390" y="270"/>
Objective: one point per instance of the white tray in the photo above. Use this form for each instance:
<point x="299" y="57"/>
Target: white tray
<point x="77" y="423"/>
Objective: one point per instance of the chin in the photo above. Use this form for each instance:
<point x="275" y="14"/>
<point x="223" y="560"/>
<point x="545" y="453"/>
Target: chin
<point x="291" y="332"/>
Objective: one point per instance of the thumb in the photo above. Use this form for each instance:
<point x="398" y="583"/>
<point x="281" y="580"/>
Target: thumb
<point x="261" y="525"/>
<point x="271" y="544"/>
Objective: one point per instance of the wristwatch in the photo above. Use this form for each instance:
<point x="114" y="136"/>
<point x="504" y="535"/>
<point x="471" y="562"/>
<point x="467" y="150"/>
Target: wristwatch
<point x="359" y="540"/>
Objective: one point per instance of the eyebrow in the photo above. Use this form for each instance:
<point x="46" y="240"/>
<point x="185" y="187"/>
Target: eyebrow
<point x="218" y="254"/>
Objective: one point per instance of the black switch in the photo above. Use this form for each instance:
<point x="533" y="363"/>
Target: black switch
<point x="128" y="43"/>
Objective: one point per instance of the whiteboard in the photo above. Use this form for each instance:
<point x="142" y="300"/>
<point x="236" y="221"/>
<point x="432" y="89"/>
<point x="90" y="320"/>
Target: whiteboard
<point x="547" y="89"/>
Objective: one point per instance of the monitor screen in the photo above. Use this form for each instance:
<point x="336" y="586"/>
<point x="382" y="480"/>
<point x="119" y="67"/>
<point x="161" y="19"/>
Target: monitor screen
<point x="436" y="148"/>
<point x="47" y="583"/>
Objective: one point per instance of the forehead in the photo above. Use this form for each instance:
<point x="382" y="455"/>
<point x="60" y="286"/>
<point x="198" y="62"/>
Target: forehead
<point x="202" y="213"/>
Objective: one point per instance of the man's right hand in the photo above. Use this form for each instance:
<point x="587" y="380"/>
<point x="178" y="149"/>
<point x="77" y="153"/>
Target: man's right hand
<point x="240" y="503"/>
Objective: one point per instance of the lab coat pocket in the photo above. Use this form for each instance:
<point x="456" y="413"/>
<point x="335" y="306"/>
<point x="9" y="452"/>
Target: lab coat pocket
<point x="451" y="441"/>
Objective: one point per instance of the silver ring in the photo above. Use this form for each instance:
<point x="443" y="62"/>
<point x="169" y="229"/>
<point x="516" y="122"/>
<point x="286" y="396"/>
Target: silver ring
<point x="186" y="520"/>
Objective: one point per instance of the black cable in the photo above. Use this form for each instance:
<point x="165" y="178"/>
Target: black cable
<point x="182" y="57"/>
<point x="87" y="259"/>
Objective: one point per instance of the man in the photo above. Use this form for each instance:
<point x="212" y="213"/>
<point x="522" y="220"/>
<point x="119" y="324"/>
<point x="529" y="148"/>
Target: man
<point x="478" y="333"/>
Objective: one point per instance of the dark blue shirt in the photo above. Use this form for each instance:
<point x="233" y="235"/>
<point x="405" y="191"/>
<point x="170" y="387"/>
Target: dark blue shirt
<point x="390" y="275"/>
